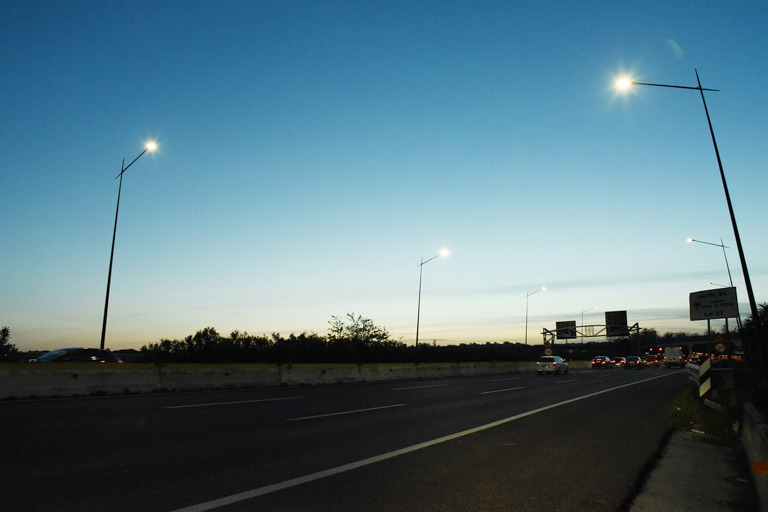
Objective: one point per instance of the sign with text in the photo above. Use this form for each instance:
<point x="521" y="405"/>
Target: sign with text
<point x="566" y="330"/>
<point x="711" y="304"/>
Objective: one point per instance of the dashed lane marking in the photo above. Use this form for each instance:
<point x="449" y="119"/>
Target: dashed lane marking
<point x="261" y="491"/>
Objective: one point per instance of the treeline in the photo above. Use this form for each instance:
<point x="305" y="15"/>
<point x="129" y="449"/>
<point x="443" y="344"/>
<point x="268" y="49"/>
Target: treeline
<point x="353" y="339"/>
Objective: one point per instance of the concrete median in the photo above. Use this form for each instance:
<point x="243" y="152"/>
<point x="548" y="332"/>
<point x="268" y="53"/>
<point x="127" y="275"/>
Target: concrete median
<point x="22" y="381"/>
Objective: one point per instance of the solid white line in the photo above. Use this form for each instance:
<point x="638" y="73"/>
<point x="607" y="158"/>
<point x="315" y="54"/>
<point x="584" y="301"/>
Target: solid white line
<point x="345" y="412"/>
<point x="499" y="391"/>
<point x="501" y="380"/>
<point x="231" y="403"/>
<point x="253" y="493"/>
<point x="564" y="381"/>
<point x="422" y="387"/>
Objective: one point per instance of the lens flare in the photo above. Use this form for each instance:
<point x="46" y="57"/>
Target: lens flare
<point x="623" y="83"/>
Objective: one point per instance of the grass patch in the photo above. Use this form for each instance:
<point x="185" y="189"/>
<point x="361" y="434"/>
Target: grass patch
<point x="693" y="415"/>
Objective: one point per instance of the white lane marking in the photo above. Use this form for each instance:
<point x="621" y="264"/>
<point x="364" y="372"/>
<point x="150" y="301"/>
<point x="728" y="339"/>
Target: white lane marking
<point x="261" y="491"/>
<point x="231" y="403"/>
<point x="564" y="381"/>
<point x="502" y="380"/>
<point x="499" y="391"/>
<point x="422" y="387"/>
<point x="346" y="412"/>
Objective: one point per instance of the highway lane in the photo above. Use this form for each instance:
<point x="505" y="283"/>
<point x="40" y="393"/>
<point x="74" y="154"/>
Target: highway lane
<point x="166" y="452"/>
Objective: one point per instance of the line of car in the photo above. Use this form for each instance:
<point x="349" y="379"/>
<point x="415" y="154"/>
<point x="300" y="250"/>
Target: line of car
<point x="627" y="362"/>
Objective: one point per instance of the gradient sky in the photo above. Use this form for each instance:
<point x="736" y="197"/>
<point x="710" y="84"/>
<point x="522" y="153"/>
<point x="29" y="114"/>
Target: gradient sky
<point x="311" y="153"/>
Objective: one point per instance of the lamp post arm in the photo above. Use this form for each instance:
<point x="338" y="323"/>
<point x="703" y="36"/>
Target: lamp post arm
<point x="130" y="164"/>
<point x="699" y="88"/>
<point x="427" y="261"/>
<point x="710" y="243"/>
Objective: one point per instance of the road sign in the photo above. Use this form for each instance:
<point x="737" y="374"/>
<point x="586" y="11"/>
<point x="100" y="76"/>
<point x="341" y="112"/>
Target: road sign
<point x="566" y="330"/>
<point x="720" y="344"/>
<point x="616" y="324"/>
<point x="717" y="303"/>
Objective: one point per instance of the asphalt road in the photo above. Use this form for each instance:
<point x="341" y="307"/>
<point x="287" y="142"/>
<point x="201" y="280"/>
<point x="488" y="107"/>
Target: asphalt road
<point x="518" y="442"/>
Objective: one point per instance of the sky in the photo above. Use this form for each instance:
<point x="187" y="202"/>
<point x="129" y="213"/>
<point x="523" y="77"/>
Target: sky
<point x="312" y="154"/>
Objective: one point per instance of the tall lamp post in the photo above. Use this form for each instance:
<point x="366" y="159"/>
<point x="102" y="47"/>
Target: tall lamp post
<point x="626" y="84"/>
<point x="582" y="318"/>
<point x="526" y="311"/>
<point x="443" y="254"/>
<point x="150" y="146"/>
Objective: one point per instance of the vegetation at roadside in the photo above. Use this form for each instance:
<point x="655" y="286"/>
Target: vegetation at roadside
<point x="693" y="414"/>
<point x="350" y="339"/>
<point x="357" y="339"/>
<point x="8" y="351"/>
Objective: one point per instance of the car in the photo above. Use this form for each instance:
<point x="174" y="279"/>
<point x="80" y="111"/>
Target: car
<point x="551" y="364"/>
<point x="77" y="355"/>
<point x="652" y="360"/>
<point x="634" y="362"/>
<point x="601" y="362"/>
<point x="619" y="362"/>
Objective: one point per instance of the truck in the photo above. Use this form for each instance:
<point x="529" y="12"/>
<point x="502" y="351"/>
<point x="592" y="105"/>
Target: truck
<point x="673" y="356"/>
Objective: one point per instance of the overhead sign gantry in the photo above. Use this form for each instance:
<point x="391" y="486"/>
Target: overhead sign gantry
<point x="616" y="326"/>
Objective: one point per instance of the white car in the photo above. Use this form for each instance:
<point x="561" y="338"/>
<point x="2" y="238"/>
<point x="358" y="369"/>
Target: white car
<point x="553" y="364"/>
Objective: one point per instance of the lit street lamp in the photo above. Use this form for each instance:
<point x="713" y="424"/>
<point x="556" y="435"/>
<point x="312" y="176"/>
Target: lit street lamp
<point x="443" y="254"/>
<point x="526" y="311"/>
<point x="626" y="83"/>
<point x="150" y="146"/>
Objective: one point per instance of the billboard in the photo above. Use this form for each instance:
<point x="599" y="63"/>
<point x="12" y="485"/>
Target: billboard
<point x="710" y="304"/>
<point x="616" y="324"/>
<point x="566" y="330"/>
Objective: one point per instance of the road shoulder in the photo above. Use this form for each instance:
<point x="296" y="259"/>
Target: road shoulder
<point x="695" y="473"/>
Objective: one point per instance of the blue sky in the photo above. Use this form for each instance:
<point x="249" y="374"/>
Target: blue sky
<point x="311" y="153"/>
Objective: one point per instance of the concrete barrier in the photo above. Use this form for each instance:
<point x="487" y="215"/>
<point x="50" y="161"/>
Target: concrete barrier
<point x="754" y="437"/>
<point x="84" y="379"/>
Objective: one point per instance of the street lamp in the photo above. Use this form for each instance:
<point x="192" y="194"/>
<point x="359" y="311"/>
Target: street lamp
<point x="150" y="146"/>
<point x="624" y="84"/>
<point x="443" y="254"/>
<point x="582" y="315"/>
<point x="727" y="267"/>
<point x="526" y="311"/>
